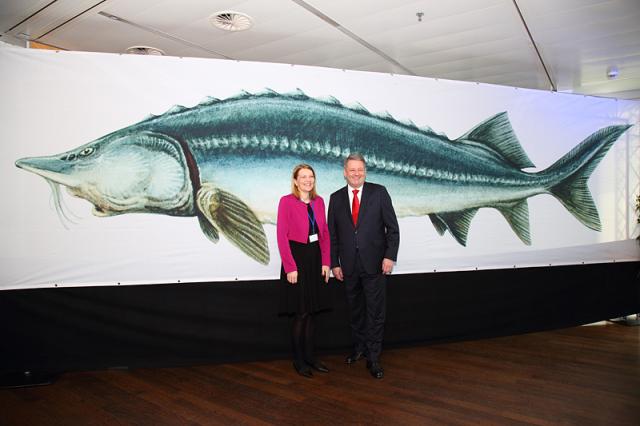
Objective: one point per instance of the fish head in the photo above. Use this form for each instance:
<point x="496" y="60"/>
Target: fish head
<point x="122" y="172"/>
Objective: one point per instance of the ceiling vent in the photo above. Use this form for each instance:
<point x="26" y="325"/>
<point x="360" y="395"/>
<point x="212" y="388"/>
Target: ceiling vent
<point x="145" y="50"/>
<point x="231" y="21"/>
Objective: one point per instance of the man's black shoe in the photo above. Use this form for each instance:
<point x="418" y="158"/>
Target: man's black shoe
<point x="354" y="357"/>
<point x="319" y="366"/>
<point x="375" y="369"/>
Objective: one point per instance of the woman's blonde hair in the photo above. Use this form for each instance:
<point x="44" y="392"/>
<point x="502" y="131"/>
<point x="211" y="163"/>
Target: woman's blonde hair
<point x="294" y="189"/>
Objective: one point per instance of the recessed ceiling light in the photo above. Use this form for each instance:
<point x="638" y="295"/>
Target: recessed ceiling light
<point x="229" y="20"/>
<point x="145" y="50"/>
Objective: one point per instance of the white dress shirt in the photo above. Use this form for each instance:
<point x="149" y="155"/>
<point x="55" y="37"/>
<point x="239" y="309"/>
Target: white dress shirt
<point x="350" y="191"/>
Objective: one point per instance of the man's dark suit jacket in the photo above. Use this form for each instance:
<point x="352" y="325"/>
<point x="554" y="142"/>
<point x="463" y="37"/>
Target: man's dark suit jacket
<point x="376" y="236"/>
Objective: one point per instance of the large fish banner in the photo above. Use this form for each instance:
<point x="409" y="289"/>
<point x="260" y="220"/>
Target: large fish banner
<point x="120" y="169"/>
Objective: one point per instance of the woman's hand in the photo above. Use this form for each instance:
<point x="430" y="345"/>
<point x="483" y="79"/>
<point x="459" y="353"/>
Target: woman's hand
<point x="337" y="272"/>
<point x="325" y="273"/>
<point x="292" y="277"/>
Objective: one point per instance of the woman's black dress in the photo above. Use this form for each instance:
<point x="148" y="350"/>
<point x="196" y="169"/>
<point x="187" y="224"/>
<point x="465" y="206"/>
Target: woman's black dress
<point x="311" y="294"/>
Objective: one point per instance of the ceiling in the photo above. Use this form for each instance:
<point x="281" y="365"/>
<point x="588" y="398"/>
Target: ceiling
<point x="563" y="45"/>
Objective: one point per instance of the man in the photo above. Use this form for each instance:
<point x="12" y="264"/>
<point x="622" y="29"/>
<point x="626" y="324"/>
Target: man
<point x="364" y="245"/>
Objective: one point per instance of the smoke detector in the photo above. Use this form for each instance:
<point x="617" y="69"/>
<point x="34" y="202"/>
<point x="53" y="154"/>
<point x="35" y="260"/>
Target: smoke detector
<point x="229" y="20"/>
<point x="145" y="50"/>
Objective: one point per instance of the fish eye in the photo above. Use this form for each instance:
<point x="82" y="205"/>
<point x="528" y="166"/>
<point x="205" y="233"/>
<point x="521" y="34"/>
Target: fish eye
<point x="86" y="151"/>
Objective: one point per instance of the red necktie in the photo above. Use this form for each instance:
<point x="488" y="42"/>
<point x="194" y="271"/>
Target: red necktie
<point x="355" y="207"/>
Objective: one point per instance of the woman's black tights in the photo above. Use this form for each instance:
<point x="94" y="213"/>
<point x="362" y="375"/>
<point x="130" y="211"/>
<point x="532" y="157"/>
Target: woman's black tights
<point x="302" y="338"/>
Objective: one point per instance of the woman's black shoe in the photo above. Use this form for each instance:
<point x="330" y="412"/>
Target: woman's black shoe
<point x="354" y="357"/>
<point x="302" y="369"/>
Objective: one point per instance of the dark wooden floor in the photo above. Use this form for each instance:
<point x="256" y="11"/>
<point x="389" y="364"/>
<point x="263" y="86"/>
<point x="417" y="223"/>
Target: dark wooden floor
<point x="578" y="376"/>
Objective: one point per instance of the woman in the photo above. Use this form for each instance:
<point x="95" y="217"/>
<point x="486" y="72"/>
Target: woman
<point x="303" y="242"/>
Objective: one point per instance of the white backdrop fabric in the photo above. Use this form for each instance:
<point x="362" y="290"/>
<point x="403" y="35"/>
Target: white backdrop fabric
<point x="53" y="102"/>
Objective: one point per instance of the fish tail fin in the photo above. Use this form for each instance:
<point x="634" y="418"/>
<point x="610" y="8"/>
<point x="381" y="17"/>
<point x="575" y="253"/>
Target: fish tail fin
<point x="569" y="175"/>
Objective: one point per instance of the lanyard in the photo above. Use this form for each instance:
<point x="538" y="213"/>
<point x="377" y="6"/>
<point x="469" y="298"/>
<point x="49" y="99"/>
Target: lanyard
<point x="312" y="218"/>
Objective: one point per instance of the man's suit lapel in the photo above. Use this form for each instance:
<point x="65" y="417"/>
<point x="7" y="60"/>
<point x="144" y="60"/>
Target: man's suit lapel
<point x="364" y="201"/>
<point x="345" y="202"/>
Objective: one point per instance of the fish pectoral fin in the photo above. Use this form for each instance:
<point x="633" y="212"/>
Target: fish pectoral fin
<point x="235" y="220"/>
<point x="208" y="229"/>
<point x="517" y="215"/>
<point x="456" y="222"/>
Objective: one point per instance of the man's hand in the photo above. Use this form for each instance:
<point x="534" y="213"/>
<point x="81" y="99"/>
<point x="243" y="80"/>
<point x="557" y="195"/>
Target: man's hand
<point x="325" y="273"/>
<point x="337" y="272"/>
<point x="387" y="266"/>
<point x="292" y="277"/>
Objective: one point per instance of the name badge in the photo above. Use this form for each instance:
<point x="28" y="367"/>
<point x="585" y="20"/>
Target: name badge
<point x="313" y="238"/>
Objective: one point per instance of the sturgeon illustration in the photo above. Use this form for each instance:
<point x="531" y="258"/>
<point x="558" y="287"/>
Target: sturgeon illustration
<point x="228" y="161"/>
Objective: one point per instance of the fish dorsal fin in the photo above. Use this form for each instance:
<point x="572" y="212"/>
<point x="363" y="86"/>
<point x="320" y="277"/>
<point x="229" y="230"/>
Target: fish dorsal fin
<point x="330" y="100"/>
<point x="358" y="107"/>
<point x="243" y="94"/>
<point x="427" y="129"/>
<point x="456" y="222"/>
<point x="517" y="215"/>
<point x="235" y="220"/>
<point x="297" y="94"/>
<point x="149" y="117"/>
<point x="409" y="123"/>
<point x="497" y="134"/>
<point x="385" y="115"/>
<point x="209" y="100"/>
<point x="267" y="92"/>
<point x="176" y="109"/>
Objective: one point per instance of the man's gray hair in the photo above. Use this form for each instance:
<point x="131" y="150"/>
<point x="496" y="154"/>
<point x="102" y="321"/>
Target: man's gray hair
<point x="355" y="156"/>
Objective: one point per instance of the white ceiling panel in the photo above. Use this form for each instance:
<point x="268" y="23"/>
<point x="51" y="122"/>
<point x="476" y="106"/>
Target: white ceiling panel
<point x="541" y="44"/>
<point x="48" y="18"/>
<point x="13" y="12"/>
<point x="580" y="40"/>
